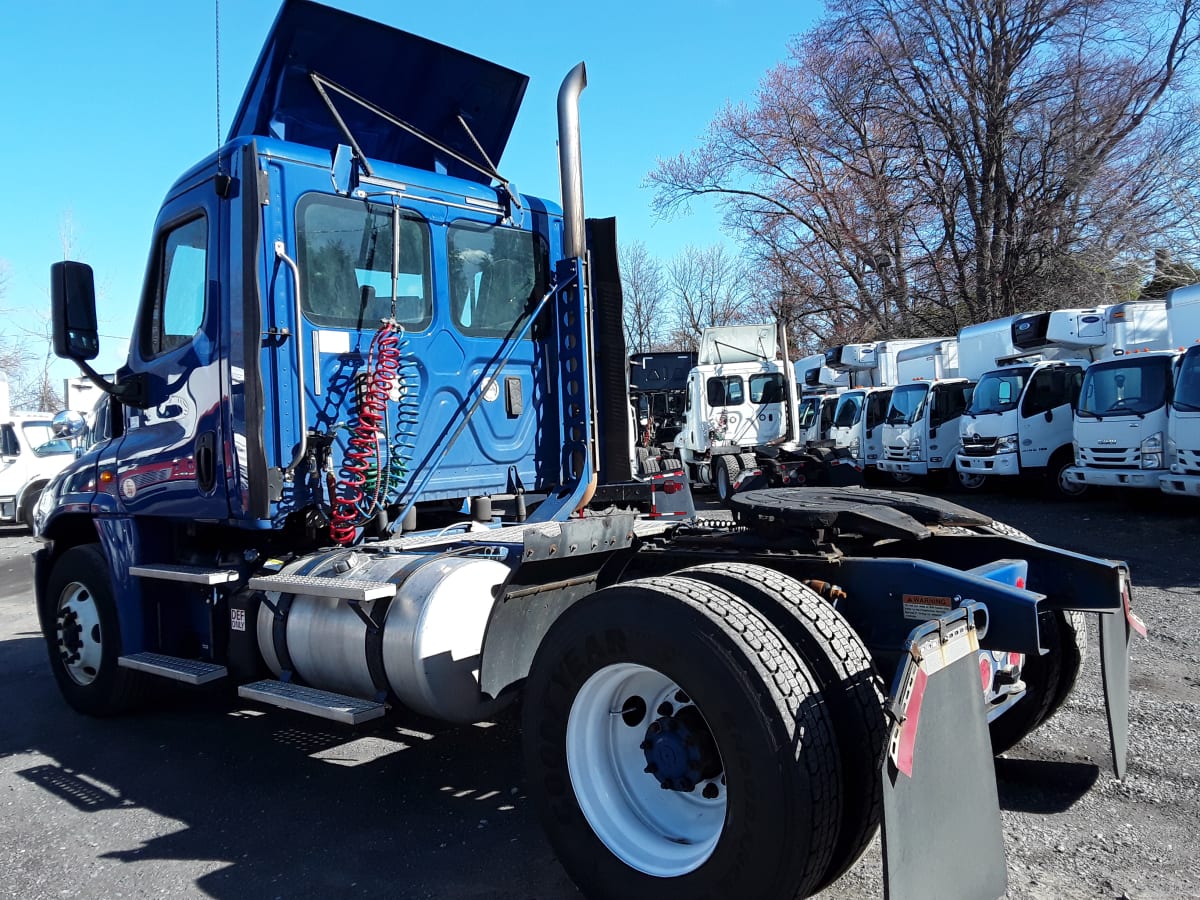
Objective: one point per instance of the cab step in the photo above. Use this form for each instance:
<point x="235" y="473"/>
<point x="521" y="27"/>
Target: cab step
<point x="325" y="704"/>
<point x="189" y="574"/>
<point x="321" y="586"/>
<point x="189" y="671"/>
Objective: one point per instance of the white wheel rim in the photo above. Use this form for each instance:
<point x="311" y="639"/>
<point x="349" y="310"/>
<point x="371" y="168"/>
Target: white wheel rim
<point x="901" y="477"/>
<point x="77" y="627"/>
<point x="722" y="481"/>
<point x="658" y="831"/>
<point x="970" y="480"/>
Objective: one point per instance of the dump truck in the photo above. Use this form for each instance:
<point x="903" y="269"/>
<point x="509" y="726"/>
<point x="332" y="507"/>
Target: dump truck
<point x="349" y="470"/>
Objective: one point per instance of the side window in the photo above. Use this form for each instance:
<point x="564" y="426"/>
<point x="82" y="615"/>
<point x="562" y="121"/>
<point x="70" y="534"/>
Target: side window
<point x="1051" y="388"/>
<point x="9" y="446"/>
<point x="877" y="404"/>
<point x="180" y="284"/>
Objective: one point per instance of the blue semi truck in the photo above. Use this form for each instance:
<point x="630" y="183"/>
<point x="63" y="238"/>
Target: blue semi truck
<point x="369" y="456"/>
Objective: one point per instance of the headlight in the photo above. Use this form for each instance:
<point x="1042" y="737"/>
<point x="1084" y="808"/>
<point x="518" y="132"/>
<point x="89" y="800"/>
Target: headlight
<point x="1075" y="451"/>
<point x="1007" y="444"/>
<point x="854" y="447"/>
<point x="914" y="450"/>
<point x="1151" y="449"/>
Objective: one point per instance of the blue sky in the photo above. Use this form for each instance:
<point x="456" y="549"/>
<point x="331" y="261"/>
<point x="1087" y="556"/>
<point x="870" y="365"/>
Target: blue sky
<point x="106" y="102"/>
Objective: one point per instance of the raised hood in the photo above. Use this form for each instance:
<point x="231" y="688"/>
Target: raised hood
<point x="425" y="84"/>
<point x="738" y="344"/>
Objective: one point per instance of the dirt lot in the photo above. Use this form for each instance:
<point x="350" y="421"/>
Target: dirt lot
<point x="211" y="798"/>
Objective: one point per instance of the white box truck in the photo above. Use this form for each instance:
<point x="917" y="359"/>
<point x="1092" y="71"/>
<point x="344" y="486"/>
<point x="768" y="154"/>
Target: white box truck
<point x="1021" y="417"/>
<point x="859" y="416"/>
<point x="30" y="456"/>
<point x="921" y="426"/>
<point x="1183" y="417"/>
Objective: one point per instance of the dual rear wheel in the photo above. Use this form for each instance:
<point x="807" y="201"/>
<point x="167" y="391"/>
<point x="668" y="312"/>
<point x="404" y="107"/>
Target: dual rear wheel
<point x="715" y="732"/>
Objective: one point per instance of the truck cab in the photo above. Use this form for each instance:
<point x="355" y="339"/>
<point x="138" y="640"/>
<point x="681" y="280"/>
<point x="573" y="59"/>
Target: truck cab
<point x="921" y="427"/>
<point x="1120" y="421"/>
<point x="858" y="425"/>
<point x="1183" y="429"/>
<point x="1019" y="422"/>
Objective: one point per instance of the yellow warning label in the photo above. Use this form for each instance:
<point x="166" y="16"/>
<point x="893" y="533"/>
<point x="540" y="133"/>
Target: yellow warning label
<point x="922" y="607"/>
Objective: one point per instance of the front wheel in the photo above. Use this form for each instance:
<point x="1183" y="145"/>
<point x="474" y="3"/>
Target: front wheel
<point x="83" y="635"/>
<point x="725" y="472"/>
<point x="676" y="746"/>
<point x="1066" y="488"/>
<point x="969" y="481"/>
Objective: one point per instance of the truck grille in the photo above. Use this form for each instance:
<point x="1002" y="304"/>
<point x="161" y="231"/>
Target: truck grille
<point x="1190" y="460"/>
<point x="979" y="446"/>
<point x="896" y="451"/>
<point x="1110" y="457"/>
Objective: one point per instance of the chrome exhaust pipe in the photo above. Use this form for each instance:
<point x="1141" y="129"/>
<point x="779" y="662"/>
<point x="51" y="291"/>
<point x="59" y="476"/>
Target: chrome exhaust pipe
<point x="570" y="161"/>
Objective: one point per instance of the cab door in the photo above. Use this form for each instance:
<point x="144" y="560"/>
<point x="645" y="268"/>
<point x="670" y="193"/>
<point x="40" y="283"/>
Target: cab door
<point x="171" y="460"/>
<point x="1047" y="413"/>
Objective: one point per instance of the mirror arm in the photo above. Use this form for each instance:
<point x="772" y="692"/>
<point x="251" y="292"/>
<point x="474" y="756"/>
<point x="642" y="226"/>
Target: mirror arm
<point x="131" y="392"/>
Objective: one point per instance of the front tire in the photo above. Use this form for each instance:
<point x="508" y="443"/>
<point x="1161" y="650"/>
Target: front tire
<point x="1065" y="489"/>
<point x="83" y="635"/>
<point x="676" y="746"/>
<point x="725" y="472"/>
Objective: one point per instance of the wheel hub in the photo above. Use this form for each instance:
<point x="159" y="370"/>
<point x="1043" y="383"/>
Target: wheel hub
<point x="680" y="751"/>
<point x="70" y="634"/>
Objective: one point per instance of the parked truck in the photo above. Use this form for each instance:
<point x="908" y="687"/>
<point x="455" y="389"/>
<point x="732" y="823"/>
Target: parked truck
<point x="861" y="410"/>
<point x="820" y="387"/>
<point x="741" y="417"/>
<point x="658" y="390"/>
<point x="354" y="318"/>
<point x="1021" y="417"/>
<point x="31" y="454"/>
<point x="1183" y="416"/>
<point x="921" y="425"/>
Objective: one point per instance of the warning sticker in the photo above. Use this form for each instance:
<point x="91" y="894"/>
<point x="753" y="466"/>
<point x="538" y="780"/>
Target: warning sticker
<point x="922" y="607"/>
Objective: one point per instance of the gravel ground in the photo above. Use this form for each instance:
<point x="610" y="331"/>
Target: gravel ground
<point x="189" y="802"/>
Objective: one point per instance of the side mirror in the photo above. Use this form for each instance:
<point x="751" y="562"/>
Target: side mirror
<point x="73" y="311"/>
<point x="68" y="424"/>
<point x="1049" y="415"/>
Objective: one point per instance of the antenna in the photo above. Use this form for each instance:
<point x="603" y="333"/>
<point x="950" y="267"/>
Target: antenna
<point x="217" y="65"/>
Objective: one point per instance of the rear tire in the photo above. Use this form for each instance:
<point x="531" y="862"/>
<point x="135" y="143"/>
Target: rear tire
<point x="83" y="635"/>
<point x="700" y="683"/>
<point x="847" y="680"/>
<point x="1049" y="679"/>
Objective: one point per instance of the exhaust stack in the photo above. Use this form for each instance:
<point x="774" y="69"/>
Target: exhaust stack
<point x="570" y="161"/>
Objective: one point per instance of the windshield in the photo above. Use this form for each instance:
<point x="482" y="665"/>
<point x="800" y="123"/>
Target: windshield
<point x="808" y="411"/>
<point x="849" y="408"/>
<point x="908" y="402"/>
<point x="998" y="392"/>
<point x="37" y="433"/>
<point x="1187" y="390"/>
<point x="1127" y="387"/>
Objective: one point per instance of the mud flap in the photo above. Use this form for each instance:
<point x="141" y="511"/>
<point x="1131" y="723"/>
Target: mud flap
<point x="1116" y="630"/>
<point x="941" y="813"/>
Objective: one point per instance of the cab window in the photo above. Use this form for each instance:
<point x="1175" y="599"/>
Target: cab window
<point x="179" y="287"/>
<point x="766" y="388"/>
<point x="497" y="277"/>
<point x="345" y="252"/>
<point x="1052" y="388"/>
<point x="725" y="390"/>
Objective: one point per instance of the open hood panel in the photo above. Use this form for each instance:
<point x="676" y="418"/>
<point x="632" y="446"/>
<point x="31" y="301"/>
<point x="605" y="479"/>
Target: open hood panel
<point x="416" y="80"/>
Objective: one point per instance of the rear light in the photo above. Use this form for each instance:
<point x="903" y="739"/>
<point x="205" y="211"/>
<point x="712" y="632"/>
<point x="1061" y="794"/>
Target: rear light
<point x="671" y="487"/>
<point x="985" y="671"/>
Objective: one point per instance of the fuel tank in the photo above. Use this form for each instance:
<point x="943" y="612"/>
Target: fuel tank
<point x="423" y="648"/>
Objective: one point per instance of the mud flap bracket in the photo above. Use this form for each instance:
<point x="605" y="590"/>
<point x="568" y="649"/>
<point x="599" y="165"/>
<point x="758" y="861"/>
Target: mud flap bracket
<point x="941" y="812"/>
<point x="1116" y="630"/>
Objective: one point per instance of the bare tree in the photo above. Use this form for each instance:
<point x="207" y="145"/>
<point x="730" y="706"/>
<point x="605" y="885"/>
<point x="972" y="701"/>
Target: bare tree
<point x="709" y="286"/>
<point x="644" y="288"/>
<point x="917" y="166"/>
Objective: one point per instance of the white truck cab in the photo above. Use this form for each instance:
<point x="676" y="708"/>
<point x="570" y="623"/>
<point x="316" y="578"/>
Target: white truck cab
<point x="820" y="387"/>
<point x="921" y="427"/>
<point x="861" y="410"/>
<point x="1121" y="421"/>
<point x="736" y="400"/>
<point x="1183" y="429"/>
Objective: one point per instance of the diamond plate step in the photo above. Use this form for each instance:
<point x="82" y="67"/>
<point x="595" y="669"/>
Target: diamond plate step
<point x="190" y="574"/>
<point x="327" y="705"/>
<point x="189" y="671"/>
<point x="320" y="586"/>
